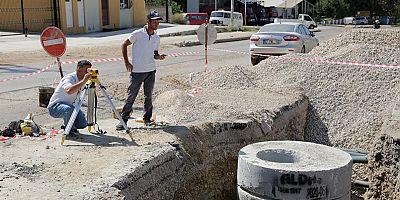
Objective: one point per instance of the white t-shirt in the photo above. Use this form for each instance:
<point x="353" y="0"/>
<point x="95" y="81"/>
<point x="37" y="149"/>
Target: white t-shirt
<point x="60" y="95"/>
<point x="143" y="47"/>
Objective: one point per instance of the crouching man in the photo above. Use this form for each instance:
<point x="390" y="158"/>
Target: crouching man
<point x="62" y="101"/>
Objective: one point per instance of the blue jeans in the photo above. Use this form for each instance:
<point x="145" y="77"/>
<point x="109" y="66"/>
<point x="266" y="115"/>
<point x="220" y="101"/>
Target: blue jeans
<point x="64" y="110"/>
<point x="136" y="79"/>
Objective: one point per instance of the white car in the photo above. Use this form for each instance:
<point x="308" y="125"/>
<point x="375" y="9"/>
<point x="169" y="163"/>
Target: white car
<point x="360" y="20"/>
<point x="279" y="39"/>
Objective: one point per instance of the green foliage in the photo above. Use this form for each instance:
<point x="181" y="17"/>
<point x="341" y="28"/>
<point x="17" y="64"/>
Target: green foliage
<point x="178" y="18"/>
<point x="155" y="3"/>
<point x="175" y="7"/>
<point x="334" y="8"/>
<point x="344" y="8"/>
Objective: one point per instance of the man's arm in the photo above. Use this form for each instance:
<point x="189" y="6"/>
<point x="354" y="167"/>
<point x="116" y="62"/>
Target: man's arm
<point x="76" y="87"/>
<point x="125" y="45"/>
<point x="158" y="56"/>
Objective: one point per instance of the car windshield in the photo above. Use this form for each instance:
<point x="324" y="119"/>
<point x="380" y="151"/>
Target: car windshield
<point x="277" y="28"/>
<point x="217" y="14"/>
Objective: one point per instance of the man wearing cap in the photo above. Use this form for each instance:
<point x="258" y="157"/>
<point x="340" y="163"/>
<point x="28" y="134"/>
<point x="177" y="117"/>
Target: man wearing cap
<point x="145" y="45"/>
<point x="61" y="103"/>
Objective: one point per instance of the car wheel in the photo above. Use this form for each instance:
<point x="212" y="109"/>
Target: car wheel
<point x="311" y="27"/>
<point x="254" y="60"/>
<point x="303" y="50"/>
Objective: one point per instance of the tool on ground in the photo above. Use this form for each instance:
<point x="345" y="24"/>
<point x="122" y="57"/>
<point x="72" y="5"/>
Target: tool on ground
<point x="90" y="89"/>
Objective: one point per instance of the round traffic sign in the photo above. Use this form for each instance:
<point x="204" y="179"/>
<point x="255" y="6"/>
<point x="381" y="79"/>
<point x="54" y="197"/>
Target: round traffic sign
<point x="210" y="33"/>
<point x="53" y="41"/>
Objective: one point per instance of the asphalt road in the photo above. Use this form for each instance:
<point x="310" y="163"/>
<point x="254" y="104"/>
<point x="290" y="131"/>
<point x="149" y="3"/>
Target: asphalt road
<point x="172" y="65"/>
<point x="19" y="97"/>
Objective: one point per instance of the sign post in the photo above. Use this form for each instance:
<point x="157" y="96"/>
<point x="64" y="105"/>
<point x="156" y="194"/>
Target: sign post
<point x="54" y="43"/>
<point x="207" y="34"/>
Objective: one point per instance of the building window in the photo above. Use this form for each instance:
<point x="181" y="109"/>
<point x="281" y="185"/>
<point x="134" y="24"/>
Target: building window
<point x="125" y="4"/>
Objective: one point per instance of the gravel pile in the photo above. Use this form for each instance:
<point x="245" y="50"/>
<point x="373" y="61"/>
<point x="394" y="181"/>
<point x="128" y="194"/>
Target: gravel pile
<point x="348" y="102"/>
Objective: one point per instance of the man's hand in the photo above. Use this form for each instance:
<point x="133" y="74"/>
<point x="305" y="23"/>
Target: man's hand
<point x="160" y="57"/>
<point x="86" y="77"/>
<point x="129" y="66"/>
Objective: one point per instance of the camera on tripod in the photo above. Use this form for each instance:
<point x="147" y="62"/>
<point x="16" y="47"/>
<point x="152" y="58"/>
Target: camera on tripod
<point x="93" y="72"/>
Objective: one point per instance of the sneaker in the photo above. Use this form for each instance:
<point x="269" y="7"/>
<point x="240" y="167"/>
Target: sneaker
<point x="120" y="127"/>
<point x="148" y="122"/>
<point x="73" y="133"/>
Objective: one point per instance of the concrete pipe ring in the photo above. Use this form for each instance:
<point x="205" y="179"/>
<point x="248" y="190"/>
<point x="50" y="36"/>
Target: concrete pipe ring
<point x="294" y="170"/>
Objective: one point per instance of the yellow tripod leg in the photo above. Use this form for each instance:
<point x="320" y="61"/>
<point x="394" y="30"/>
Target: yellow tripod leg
<point x="62" y="139"/>
<point x="130" y="135"/>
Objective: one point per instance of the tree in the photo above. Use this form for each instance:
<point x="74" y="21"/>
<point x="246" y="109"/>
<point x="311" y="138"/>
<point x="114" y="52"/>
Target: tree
<point x="334" y="8"/>
<point x="175" y="7"/>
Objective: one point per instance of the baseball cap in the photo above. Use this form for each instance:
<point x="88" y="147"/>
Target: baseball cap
<point x="154" y="15"/>
<point x="83" y="63"/>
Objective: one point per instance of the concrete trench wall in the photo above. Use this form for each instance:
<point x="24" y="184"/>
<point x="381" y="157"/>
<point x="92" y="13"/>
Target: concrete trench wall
<point x="204" y="164"/>
<point x="384" y="169"/>
<point x="383" y="161"/>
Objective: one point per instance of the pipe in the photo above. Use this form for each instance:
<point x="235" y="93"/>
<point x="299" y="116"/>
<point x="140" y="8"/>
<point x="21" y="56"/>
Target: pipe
<point x="361" y="183"/>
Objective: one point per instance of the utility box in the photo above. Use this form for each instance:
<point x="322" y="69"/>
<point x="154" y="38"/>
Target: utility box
<point x="365" y="13"/>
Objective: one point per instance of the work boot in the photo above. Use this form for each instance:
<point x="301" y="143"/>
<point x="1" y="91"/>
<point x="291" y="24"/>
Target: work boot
<point x="120" y="127"/>
<point x="73" y="133"/>
<point x="148" y="122"/>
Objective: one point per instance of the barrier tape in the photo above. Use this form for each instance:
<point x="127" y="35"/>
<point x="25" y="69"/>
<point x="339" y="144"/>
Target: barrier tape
<point x="26" y="75"/>
<point x="93" y="61"/>
<point x="315" y="60"/>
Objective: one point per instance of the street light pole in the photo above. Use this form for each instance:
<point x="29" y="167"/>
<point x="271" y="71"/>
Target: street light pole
<point x="231" y="22"/>
<point x="215" y="4"/>
<point x="245" y="12"/>
<point x="167" y="11"/>
<point x="285" y="15"/>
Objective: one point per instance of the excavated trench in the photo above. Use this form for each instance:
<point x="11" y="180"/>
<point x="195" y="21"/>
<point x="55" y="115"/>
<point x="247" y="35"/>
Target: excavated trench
<point x="203" y="163"/>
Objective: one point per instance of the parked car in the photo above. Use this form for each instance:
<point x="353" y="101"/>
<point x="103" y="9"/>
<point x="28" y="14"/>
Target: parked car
<point x="195" y="18"/>
<point x="304" y="19"/>
<point x="250" y="17"/>
<point x="223" y="18"/>
<point x="261" y="15"/>
<point x="348" y="20"/>
<point x="272" y="13"/>
<point x="360" y="20"/>
<point x="279" y="39"/>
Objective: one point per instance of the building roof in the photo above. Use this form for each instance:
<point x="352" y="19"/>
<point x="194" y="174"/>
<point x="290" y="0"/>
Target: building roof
<point x="289" y="3"/>
<point x="273" y="2"/>
<point x="248" y="1"/>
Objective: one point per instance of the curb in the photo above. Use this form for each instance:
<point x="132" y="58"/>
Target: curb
<point x="192" y="43"/>
<point x="191" y="32"/>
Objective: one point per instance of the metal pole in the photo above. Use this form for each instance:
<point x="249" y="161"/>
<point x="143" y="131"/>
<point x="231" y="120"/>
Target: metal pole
<point x="23" y="18"/>
<point x="166" y="9"/>
<point x="305" y="7"/>
<point x="231" y="22"/>
<point x="59" y="67"/>
<point x="245" y="12"/>
<point x="215" y="4"/>
<point x="285" y="15"/>
<point x="206" y="48"/>
<point x="55" y="19"/>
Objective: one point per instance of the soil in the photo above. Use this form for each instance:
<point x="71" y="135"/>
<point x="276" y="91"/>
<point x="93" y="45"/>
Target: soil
<point x="28" y="163"/>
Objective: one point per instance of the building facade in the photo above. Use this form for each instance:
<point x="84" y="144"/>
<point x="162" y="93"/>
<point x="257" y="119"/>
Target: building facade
<point x="71" y="16"/>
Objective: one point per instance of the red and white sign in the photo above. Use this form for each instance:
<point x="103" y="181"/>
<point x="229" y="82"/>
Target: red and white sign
<point x="53" y="41"/>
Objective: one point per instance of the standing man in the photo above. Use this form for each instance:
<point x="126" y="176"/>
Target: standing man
<point x="145" y="44"/>
<point x="62" y="101"/>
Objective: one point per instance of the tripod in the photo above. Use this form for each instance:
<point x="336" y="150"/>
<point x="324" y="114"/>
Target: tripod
<point x="90" y="88"/>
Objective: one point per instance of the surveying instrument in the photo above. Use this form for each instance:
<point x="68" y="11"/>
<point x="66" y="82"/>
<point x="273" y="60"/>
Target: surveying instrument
<point x="90" y="89"/>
